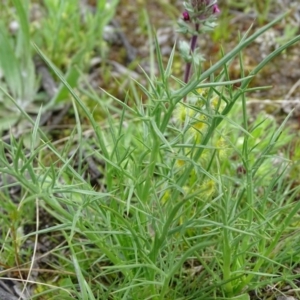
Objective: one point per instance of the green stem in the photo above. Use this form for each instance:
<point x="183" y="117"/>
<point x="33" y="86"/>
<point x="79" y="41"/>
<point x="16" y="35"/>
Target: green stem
<point x="147" y="189"/>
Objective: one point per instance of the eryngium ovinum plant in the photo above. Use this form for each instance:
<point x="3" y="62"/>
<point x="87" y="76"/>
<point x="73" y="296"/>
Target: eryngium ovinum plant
<point x="207" y="176"/>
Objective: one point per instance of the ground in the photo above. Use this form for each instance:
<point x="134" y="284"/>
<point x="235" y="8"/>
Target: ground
<point x="129" y="44"/>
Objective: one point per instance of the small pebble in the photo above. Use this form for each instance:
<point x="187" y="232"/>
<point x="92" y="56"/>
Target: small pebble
<point x="14" y="27"/>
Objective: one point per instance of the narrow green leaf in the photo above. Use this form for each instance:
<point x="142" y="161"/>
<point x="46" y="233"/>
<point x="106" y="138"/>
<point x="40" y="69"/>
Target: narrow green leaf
<point x="10" y="65"/>
<point x="71" y="77"/>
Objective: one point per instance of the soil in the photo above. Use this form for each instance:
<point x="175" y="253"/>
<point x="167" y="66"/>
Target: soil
<point x="282" y="75"/>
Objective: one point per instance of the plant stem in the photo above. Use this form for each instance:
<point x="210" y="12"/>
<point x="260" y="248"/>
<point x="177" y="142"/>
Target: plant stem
<point x="192" y="49"/>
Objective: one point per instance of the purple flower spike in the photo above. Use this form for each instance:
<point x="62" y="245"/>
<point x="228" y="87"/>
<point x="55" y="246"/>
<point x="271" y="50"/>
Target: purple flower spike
<point x="216" y="9"/>
<point x="186" y="16"/>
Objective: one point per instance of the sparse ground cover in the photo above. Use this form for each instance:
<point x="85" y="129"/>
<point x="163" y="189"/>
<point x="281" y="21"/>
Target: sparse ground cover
<point x="121" y="178"/>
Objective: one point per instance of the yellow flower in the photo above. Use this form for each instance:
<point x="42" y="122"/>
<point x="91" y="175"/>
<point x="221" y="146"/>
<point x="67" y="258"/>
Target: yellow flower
<point x="180" y="163"/>
<point x="182" y="113"/>
<point x="202" y="92"/>
<point x="198" y="128"/>
<point x="216" y="103"/>
<point x="166" y="196"/>
<point x="222" y="148"/>
<point x="208" y="188"/>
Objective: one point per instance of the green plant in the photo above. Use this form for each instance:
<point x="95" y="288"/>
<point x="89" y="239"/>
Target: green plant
<point x="196" y="202"/>
<point x="17" y="66"/>
<point x="68" y="38"/>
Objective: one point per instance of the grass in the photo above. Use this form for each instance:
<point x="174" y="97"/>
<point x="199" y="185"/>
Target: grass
<point x="194" y="200"/>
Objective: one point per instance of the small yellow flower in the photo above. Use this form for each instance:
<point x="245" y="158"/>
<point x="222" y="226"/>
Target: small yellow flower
<point x="180" y="163"/>
<point x="222" y="148"/>
<point x="182" y="113"/>
<point x="201" y="96"/>
<point x="221" y="143"/>
<point x="186" y="190"/>
<point x="216" y="103"/>
<point x="202" y="92"/>
<point x="198" y="128"/>
<point x="195" y="134"/>
<point x="166" y="196"/>
<point x="208" y="188"/>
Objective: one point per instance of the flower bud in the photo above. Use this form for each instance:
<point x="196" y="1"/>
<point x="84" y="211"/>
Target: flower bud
<point x="216" y="9"/>
<point x="186" y="16"/>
